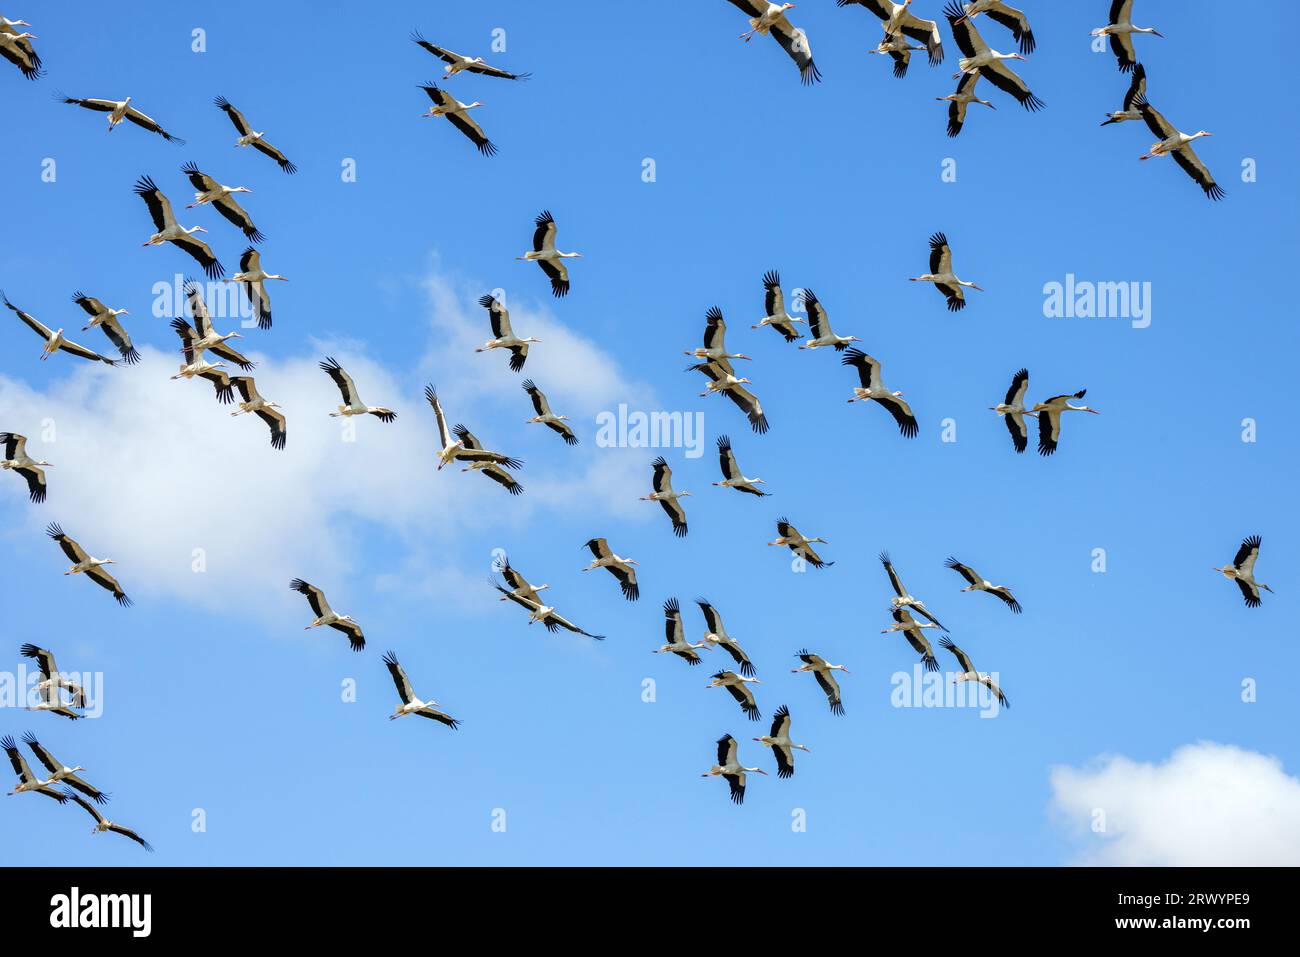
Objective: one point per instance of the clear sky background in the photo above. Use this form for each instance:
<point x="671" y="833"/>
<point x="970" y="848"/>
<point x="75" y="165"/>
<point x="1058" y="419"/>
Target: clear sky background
<point x="216" y="699"/>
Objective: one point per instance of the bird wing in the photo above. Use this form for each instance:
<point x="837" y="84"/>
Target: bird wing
<point x="15" y="445"/>
<point x="1015" y="21"/>
<point x="1121" y="44"/>
<point x="924" y="31"/>
<point x="276" y="422"/>
<point x="202" y="254"/>
<point x="43" y="657"/>
<point x="236" y="117"/>
<point x="781" y="723"/>
<point x="868" y="368"/>
<point x="90" y="808"/>
<point x="544" y="234"/>
<point x="431" y="396"/>
<point x="727" y="747"/>
<point x="965" y="571"/>
<point x="160" y="207"/>
<point x="106" y="581"/>
<point x="968" y="38"/>
<point x="89" y="304"/>
<point x="469" y="126"/>
<point x="1019" y="431"/>
<point x="711" y="617"/>
<point x="715" y="330"/>
<point x="404" y="689"/>
<point x="748" y="403"/>
<point x="727" y="459"/>
<point x="673" y="622"/>
<point x="1246" y="555"/>
<point x="832" y="689"/>
<point x="599" y="547"/>
<point x="350" y="628"/>
<point x="558" y="273"/>
<point x="70" y="546"/>
<point x="754" y="8"/>
<point x="1197" y="170"/>
<point x="496" y="474"/>
<point x="663" y="475"/>
<point x="1049" y="431"/>
<point x="540" y="405"/>
<point x="940" y="255"/>
<point x="1008" y="81"/>
<point x="229" y="209"/>
<point x="498" y="317"/>
<point x="42" y="753"/>
<point x="818" y="321"/>
<point x="440" y="52"/>
<point x="315" y="597"/>
<point x="1017" y="389"/>
<point x="894" y="580"/>
<point x="262" y="146"/>
<point x="1136" y="89"/>
<point x="99" y="106"/>
<point x="32" y="323"/>
<point x="152" y="125"/>
<point x="794" y="41"/>
<point x="902" y="414"/>
<point x="341" y="379"/>
<point x="120" y="339"/>
<point x="963" y="659"/>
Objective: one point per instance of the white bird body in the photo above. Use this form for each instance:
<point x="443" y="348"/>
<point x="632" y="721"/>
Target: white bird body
<point x="774" y="306"/>
<point x="820" y="325"/>
<point x="779" y="741"/>
<point x="1242" y="571"/>
<point x="728" y="766"/>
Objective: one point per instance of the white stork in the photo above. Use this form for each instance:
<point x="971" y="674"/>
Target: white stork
<point x="723" y="379"/>
<point x="352" y="404"/>
<point x="675" y="642"/>
<point x="621" y="568"/>
<point x="667" y="498"/>
<point x="491" y="464"/>
<point x="768" y="19"/>
<point x="717" y="636"/>
<point x="979" y="583"/>
<point x="119" y="110"/>
<point x="551" y="620"/>
<point x="715" y="339"/>
<point x="941" y="274"/>
<point x="268" y="412"/>
<point x="1007" y="15"/>
<point x="899" y="50"/>
<point x="411" y="704"/>
<point x="503" y="336"/>
<point x="1049" y="418"/>
<point x="250" y="137"/>
<point x="28" y="783"/>
<point x="1174" y="143"/>
<point x="547" y="256"/>
<point x="899" y="19"/>
<point x="521" y="587"/>
<point x="1242" y="571"/>
<point x="197" y="365"/>
<point x="774" y="307"/>
<point x="206" y="336"/>
<point x="325" y="615"/>
<point x="222" y="199"/>
<point x="253" y="278"/>
<point x="103" y="824"/>
<point x="822" y="671"/>
<point x="968" y="672"/>
<point x="51" y="677"/>
<point x="54" y="339"/>
<point x="17" y="48"/>
<point x="732" y="476"/>
<point x="1121" y="30"/>
<point x="457" y="114"/>
<point x="979" y="56"/>
<point x="901" y="597"/>
<point x="738" y="687"/>
<point x="51" y="701"/>
<point x="457" y="63"/>
<point x="1012" y="410"/>
<point x="778" y="740"/>
<point x="913" y="631"/>
<point x="730" y="768"/>
<point x="960" y="99"/>
<point x="106" y="319"/>
<point x="873" y="389"/>
<point x="544" y="416"/>
<point x="60" y="772"/>
<point x="170" y="231"/>
<point x="789" y="536"/>
<point x="1137" y="90"/>
<point x="83" y="561"/>
<point x="819" y="323"/>
<point x="15" y="458"/>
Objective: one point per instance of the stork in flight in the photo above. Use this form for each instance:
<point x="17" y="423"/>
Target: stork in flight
<point x="28" y="783"/>
<point x="732" y="476"/>
<point x="222" y="199"/>
<point x="1242" y="571"/>
<point x="106" y="319"/>
<point x="979" y="583"/>
<point x="738" y="687"/>
<point x="774" y="308"/>
<point x="544" y="416"/>
<point x="103" y="824"/>
<point x="901" y="597"/>
<point x="823" y="671"/>
<point x="60" y="772"/>
<point x="769" y="19"/>
<point x="551" y="620"/>
<point x="941" y="274"/>
<point x="491" y="464"/>
<point x="1121" y="30"/>
<point x="206" y="336"/>
<point x="1178" y="145"/>
<point x="979" y="57"/>
<point x="268" y="412"/>
<point x="873" y="389"/>
<point x="675" y="642"/>
<point x="250" y="137"/>
<point x="197" y="365"/>
<point x="717" y="636"/>
<point x="325" y="615"/>
<point x="819" y="324"/>
<point x="51" y="678"/>
<point x="54" y="338"/>
<point x="618" y="566"/>
<point x="715" y="339"/>
<point x="411" y="704"/>
<point x="899" y="50"/>
<point x="913" y="631"/>
<point x="16" y="47"/>
<point x="1137" y="90"/>
<point x="14" y="457"/>
<point x="968" y="672"/>
<point x="522" y="588"/>
<point x="801" y="546"/>
<point x="960" y="99"/>
<point x="547" y="256"/>
<point x="457" y="63"/>
<point x="119" y="110"/>
<point x="1049" y="418"/>
<point x="253" y="278"/>
<point x="170" y="231"/>
<point x="724" y="381"/>
<point x="1012" y="410"/>
<point x="778" y="740"/>
<point x="457" y="114"/>
<point x="1008" y="16"/>
<point x="84" y="562"/>
<point x="899" y="19"/>
<point x="667" y="497"/>
<point x="352" y="404"/>
<point x="730" y="769"/>
<point x="503" y="336"/>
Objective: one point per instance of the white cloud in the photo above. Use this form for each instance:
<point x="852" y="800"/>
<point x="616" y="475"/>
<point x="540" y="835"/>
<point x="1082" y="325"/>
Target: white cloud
<point x="1207" y="805"/>
<point x="147" y="469"/>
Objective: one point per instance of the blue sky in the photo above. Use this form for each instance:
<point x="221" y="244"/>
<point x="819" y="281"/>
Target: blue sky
<point x="215" y="699"/>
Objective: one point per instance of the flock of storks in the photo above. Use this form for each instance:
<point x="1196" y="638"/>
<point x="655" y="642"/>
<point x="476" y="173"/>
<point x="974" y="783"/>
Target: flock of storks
<point x="199" y="338"/>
